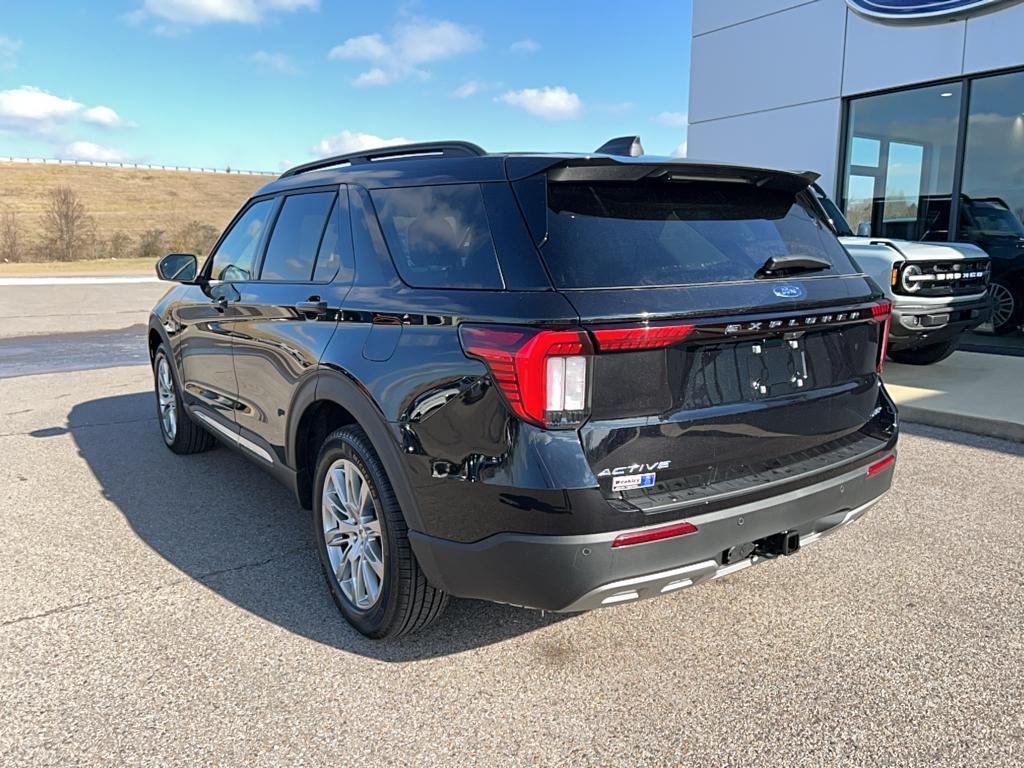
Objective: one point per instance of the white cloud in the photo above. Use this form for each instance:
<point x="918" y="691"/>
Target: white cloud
<point x="410" y="46"/>
<point x="680" y="151"/>
<point x="32" y="110"/>
<point x="550" y="103"/>
<point x="30" y="103"/>
<point x="197" y="12"/>
<point x="473" y="87"/>
<point x="8" y="51"/>
<point x="466" y="90"/>
<point x="370" y="47"/>
<point x="87" y="150"/>
<point x="673" y="119"/>
<point x="279" y="62"/>
<point x="104" y="116"/>
<point x="353" y="141"/>
<point x="525" y="46"/>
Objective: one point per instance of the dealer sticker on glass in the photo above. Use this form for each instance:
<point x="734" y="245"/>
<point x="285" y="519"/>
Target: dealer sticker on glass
<point x="629" y="482"/>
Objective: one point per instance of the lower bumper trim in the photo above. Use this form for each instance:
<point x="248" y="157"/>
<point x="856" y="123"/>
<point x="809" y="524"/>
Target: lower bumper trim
<point x="659" y="583"/>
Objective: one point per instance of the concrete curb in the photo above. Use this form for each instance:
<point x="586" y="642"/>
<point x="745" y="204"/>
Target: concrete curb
<point x="976" y="425"/>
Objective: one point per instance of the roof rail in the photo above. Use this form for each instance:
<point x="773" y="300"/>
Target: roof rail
<point x="453" y="148"/>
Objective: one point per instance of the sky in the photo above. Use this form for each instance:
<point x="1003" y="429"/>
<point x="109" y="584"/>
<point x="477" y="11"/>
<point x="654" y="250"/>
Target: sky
<point x="264" y="84"/>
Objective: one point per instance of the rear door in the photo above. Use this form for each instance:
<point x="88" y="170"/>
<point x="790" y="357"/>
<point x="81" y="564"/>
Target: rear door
<point x="287" y="315"/>
<point x="712" y="367"/>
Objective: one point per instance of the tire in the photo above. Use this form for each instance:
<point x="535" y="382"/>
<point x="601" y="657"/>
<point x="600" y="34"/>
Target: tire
<point x="932" y="353"/>
<point x="185" y="436"/>
<point x="1007" y="307"/>
<point x="369" y="542"/>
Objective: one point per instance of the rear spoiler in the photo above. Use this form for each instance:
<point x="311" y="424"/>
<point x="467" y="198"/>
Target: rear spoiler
<point x="622" y="168"/>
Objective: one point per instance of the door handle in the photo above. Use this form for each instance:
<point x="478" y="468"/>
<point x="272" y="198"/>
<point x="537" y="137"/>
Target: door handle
<point x="312" y="307"/>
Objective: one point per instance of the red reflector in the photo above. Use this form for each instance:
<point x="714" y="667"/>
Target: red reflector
<point x="640" y="337"/>
<point x="881" y="465"/>
<point x="653" y="534"/>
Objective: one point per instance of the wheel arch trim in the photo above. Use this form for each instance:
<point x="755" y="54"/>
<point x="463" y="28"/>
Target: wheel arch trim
<point x="338" y="388"/>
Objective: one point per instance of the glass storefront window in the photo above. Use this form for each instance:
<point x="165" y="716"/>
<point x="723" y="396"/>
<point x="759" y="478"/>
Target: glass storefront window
<point x="901" y="150"/>
<point x="992" y="200"/>
<point x="901" y="175"/>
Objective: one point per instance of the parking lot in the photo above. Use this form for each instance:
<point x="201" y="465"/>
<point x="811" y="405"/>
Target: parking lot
<point x="159" y="609"/>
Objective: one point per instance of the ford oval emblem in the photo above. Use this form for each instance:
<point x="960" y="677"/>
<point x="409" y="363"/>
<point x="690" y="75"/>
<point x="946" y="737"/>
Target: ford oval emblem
<point x="922" y="10"/>
<point x="789" y="291"/>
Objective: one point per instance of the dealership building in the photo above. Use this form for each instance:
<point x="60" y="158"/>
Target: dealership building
<point x="912" y="111"/>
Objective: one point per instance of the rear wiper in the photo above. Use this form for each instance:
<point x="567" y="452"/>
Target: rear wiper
<point x="777" y="266"/>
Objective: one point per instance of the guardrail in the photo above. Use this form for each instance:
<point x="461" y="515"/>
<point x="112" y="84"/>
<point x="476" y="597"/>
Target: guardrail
<point x="144" y="166"/>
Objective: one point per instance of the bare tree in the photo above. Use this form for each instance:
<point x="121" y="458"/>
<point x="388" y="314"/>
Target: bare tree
<point x="67" y="227"/>
<point x="10" y="236"/>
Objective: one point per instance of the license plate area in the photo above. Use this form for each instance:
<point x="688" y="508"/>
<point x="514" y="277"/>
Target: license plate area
<point x="776" y="367"/>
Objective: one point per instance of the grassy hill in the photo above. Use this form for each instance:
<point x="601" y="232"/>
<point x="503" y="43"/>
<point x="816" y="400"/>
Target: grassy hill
<point x="128" y="206"/>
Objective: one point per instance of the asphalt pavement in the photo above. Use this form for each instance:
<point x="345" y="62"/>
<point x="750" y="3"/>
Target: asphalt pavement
<point x="166" y="610"/>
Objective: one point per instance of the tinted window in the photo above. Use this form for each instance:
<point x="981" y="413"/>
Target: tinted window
<point x="439" y="236"/>
<point x="993" y="203"/>
<point x="236" y="255"/>
<point x="661" y="233"/>
<point x="296" y="237"/>
<point x="901" y="154"/>
<point x="336" y="245"/>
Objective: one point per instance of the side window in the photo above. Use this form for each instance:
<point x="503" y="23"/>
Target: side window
<point x="296" y="237"/>
<point x="439" y="236"/>
<point x="236" y="255"/>
<point x="335" y="256"/>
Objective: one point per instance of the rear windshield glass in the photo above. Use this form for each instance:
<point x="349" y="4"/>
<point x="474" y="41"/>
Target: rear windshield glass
<point x="439" y="236"/>
<point x="629" y="234"/>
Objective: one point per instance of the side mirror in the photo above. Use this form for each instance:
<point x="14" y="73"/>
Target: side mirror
<point x="178" y="267"/>
<point x="864" y="229"/>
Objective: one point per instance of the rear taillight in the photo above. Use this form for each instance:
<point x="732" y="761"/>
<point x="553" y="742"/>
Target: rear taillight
<point x="882" y="312"/>
<point x="640" y="337"/>
<point x="542" y="374"/>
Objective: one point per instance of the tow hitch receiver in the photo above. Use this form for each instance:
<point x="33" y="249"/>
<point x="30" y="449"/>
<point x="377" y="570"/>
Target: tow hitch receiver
<point x="785" y="543"/>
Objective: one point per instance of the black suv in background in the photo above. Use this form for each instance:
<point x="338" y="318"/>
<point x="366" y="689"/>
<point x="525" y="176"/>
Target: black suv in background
<point x="553" y="380"/>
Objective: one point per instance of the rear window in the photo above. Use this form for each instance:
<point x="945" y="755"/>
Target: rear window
<point x="629" y="234"/>
<point x="439" y="236"/>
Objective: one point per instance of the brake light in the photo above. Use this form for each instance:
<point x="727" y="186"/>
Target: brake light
<point x="881" y="465"/>
<point x="640" y="337"/>
<point x="882" y="312"/>
<point x="656" y="533"/>
<point x="542" y="374"/>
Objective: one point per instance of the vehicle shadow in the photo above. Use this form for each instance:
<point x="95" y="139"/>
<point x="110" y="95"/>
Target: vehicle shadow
<point x="225" y="523"/>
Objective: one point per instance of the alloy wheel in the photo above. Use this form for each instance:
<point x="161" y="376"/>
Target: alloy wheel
<point x="1003" y="303"/>
<point x="165" y="397"/>
<point x="352" y="533"/>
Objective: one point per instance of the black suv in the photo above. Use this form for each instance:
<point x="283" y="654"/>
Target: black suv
<point x="554" y="380"/>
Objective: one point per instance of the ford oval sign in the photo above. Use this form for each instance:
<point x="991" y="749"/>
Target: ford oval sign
<point x="789" y="291"/>
<point x="923" y="10"/>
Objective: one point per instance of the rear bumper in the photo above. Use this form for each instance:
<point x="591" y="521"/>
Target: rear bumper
<point x="925" y="323"/>
<point x="577" y="573"/>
